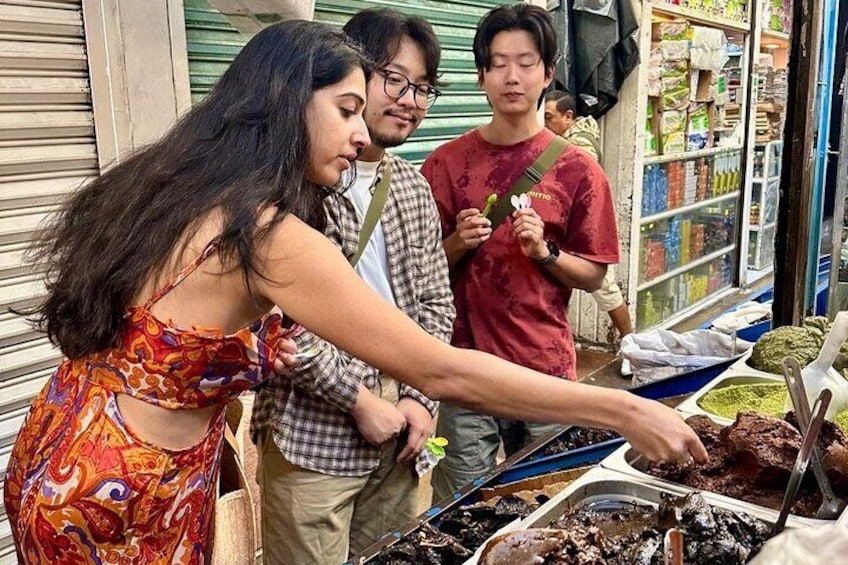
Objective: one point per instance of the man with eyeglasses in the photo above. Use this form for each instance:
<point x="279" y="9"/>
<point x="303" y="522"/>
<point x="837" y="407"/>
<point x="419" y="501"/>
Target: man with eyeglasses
<point x="338" y="439"/>
<point x="512" y="284"/>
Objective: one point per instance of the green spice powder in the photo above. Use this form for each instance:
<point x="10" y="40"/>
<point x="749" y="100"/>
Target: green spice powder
<point x="763" y="398"/>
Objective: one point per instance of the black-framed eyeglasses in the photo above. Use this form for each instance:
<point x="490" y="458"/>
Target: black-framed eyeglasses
<point x="396" y="85"/>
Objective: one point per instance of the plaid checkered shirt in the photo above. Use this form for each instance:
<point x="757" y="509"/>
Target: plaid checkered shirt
<point x="308" y="411"/>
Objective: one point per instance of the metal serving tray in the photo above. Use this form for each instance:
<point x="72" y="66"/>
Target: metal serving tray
<point x="605" y="487"/>
<point x="627" y="461"/>
<point x="731" y="377"/>
<point x="742" y="365"/>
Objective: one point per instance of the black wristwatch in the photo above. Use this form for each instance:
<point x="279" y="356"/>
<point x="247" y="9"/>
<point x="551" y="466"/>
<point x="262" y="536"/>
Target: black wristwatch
<point x="554" y="254"/>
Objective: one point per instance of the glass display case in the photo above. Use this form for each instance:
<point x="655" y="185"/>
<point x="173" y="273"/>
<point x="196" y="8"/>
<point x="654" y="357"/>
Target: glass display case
<point x="686" y="256"/>
<point x="691" y="171"/>
<point x="762" y="217"/>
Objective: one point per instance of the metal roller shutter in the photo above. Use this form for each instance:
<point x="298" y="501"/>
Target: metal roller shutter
<point x="213" y="43"/>
<point x="47" y="148"/>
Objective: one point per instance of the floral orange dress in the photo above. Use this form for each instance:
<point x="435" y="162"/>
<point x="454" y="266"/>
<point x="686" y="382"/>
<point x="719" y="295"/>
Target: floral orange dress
<point x="82" y="488"/>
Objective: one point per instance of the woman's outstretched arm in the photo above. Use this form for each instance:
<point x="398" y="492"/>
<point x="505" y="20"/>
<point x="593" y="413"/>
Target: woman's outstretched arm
<point x="313" y="283"/>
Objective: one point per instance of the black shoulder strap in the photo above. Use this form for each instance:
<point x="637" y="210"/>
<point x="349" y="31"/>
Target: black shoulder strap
<point x="528" y="179"/>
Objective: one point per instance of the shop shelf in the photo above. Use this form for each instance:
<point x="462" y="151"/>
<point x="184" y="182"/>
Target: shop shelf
<point x="700" y="17"/>
<point x="690" y="154"/>
<point x="779" y="36"/>
<point x="687" y="267"/>
<point x="688" y="208"/>
<point x="754" y="227"/>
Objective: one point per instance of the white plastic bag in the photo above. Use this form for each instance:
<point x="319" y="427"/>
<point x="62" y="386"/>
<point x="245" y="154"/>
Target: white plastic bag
<point x="805" y="546"/>
<point x="657" y="354"/>
<point x="744" y="316"/>
<point x="708" y="49"/>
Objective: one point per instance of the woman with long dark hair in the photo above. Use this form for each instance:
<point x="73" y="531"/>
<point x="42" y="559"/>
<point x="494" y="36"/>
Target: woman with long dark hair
<point x="162" y="272"/>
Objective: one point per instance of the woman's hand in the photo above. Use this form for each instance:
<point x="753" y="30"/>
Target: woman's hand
<point x="286" y="361"/>
<point x="660" y="434"/>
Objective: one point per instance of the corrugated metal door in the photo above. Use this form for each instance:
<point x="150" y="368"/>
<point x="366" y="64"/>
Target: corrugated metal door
<point x="47" y="148"/>
<point x="213" y="43"/>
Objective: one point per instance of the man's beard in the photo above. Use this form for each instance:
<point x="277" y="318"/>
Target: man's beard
<point x="386" y="141"/>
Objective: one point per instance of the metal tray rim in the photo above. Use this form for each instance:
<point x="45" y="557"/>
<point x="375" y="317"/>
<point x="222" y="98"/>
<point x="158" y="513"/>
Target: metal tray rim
<point x="617" y="462"/>
<point x="741" y="364"/>
<point x="719" y="501"/>
<point x="690" y="405"/>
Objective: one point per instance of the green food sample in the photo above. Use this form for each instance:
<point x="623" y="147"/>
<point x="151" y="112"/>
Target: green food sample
<point x="764" y="398"/>
<point x="803" y="343"/>
<point x="841" y="420"/>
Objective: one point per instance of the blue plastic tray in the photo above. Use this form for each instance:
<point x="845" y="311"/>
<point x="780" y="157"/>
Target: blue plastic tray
<point x="570" y="459"/>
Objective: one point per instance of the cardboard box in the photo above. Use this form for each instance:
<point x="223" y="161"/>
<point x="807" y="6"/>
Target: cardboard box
<point x="549" y="484"/>
<point x="700" y="85"/>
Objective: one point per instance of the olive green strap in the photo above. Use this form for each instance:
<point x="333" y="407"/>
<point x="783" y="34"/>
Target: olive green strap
<point x="528" y="179"/>
<point x="375" y="210"/>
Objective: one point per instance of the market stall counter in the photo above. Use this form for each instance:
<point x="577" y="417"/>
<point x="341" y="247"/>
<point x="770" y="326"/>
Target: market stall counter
<point x="455" y="529"/>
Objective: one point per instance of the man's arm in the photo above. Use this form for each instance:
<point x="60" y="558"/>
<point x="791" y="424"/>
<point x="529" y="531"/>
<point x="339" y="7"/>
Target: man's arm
<point x="436" y="310"/>
<point x="568" y="269"/>
<point x="332" y="375"/>
<point x="576" y="272"/>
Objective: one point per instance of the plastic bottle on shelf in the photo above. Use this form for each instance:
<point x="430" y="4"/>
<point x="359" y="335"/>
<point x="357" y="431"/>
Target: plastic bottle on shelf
<point x="703" y="190"/>
<point x="726" y="270"/>
<point x="737" y="164"/>
<point x="650" y="310"/>
<point x="662" y="190"/>
<point x="728" y="227"/>
<point x="712" y="176"/>
<point x="721" y="187"/>
<point x="647" y="192"/>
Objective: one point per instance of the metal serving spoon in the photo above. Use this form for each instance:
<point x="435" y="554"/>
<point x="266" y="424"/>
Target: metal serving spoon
<point x="831" y="505"/>
<point x="807" y="444"/>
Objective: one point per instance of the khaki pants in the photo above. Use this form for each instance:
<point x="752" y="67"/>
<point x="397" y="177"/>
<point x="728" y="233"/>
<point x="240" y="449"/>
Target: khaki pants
<point x="311" y="518"/>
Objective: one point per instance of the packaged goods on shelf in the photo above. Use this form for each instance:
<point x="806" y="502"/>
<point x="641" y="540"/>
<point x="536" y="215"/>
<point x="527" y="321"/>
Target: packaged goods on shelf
<point x="673" y="50"/>
<point x="677" y="30"/>
<point x="778" y="15"/>
<point x="734" y="10"/>
<point x="673" y="143"/>
<point x="708" y="50"/>
<point x="698" y="127"/>
<point x="672" y="121"/>
<point x="660" y="302"/>
<point x="754" y="214"/>
<point x="690" y="182"/>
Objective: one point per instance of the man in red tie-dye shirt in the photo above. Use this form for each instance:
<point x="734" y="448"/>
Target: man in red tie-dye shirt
<point x="512" y="285"/>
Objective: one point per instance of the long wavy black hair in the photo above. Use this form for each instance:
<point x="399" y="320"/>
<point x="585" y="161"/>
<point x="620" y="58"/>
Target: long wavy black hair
<point x="241" y="150"/>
